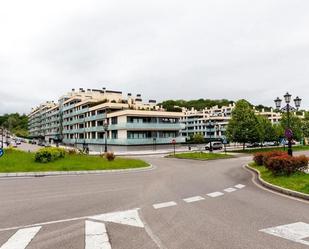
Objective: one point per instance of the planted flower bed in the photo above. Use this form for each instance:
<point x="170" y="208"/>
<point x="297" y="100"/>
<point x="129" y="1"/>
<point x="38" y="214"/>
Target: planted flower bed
<point x="280" y="163"/>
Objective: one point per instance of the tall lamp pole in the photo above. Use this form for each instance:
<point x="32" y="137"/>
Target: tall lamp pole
<point x="210" y="125"/>
<point x="288" y="109"/>
<point x="105" y="125"/>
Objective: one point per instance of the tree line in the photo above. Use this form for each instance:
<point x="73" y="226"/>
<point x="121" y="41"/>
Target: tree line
<point x="15" y="123"/>
<point x="246" y="126"/>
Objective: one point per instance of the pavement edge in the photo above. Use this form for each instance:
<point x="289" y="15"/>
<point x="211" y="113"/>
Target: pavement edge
<point x="74" y="173"/>
<point x="277" y="188"/>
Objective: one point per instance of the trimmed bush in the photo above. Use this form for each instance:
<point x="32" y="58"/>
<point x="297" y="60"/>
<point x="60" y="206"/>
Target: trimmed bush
<point x="110" y="156"/>
<point x="286" y="165"/>
<point x="46" y="155"/>
<point x="258" y="158"/>
<point x="271" y="154"/>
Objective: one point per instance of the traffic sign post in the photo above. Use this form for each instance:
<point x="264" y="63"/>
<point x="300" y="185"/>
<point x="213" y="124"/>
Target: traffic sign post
<point x="224" y="143"/>
<point x="174" y="144"/>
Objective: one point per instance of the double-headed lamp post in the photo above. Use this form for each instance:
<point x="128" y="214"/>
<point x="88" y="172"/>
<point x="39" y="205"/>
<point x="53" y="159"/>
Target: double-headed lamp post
<point x="105" y="125"/>
<point x="288" y="108"/>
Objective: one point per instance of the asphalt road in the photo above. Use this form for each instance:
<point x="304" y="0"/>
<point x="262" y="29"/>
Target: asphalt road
<point x="58" y="207"/>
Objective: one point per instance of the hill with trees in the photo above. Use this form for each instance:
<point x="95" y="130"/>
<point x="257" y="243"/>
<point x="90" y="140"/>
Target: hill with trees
<point x="15" y="123"/>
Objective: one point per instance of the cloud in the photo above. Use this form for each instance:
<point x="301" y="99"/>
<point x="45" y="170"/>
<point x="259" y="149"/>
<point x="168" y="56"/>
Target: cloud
<point x="162" y="49"/>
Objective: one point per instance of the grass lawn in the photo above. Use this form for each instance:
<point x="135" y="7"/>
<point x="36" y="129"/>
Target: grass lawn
<point x="298" y="181"/>
<point x="201" y="156"/>
<point x="19" y="161"/>
<point x="295" y="148"/>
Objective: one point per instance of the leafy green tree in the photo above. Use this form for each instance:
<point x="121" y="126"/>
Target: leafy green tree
<point x="295" y="125"/>
<point x="278" y="131"/>
<point x="198" y="138"/>
<point x="243" y="127"/>
<point x="15" y="123"/>
<point x="266" y="130"/>
<point x="305" y="125"/>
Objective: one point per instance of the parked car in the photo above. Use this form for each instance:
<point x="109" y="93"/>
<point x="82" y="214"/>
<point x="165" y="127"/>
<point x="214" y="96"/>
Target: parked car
<point x="215" y="146"/>
<point x="270" y="143"/>
<point x="253" y="145"/>
<point x="18" y="142"/>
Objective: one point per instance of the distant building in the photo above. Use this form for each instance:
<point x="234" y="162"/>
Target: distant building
<point x="79" y="116"/>
<point x="196" y="121"/>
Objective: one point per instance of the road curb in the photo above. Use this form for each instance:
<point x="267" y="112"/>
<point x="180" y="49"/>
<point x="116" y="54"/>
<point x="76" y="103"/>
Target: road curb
<point x="277" y="188"/>
<point x="72" y="173"/>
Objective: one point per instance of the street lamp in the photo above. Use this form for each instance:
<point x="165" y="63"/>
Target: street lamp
<point x="105" y="125"/>
<point x="210" y="125"/>
<point x="288" y="108"/>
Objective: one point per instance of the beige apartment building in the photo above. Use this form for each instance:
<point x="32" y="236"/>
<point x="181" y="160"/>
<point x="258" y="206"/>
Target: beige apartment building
<point x="85" y="117"/>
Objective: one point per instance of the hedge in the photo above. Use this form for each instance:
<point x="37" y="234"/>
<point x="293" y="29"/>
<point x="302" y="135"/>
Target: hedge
<point x="280" y="163"/>
<point x="46" y="155"/>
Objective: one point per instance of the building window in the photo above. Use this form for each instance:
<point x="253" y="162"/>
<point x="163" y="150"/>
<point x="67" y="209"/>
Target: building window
<point x="114" y="120"/>
<point x="114" y="134"/>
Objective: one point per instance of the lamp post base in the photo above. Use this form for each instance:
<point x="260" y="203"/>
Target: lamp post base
<point x="290" y="152"/>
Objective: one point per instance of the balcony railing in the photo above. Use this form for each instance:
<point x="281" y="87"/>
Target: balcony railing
<point x="135" y="141"/>
<point x="147" y="126"/>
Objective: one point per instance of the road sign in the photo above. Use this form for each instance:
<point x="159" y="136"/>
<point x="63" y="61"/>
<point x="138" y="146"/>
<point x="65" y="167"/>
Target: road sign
<point x="173" y="141"/>
<point x="224" y="141"/>
<point x="1" y="152"/>
<point x="288" y="133"/>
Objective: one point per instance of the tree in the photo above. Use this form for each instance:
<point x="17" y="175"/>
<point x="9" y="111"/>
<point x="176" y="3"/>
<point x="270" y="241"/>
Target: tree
<point x="198" y="138"/>
<point x="243" y="126"/>
<point x="305" y="125"/>
<point x="15" y="123"/>
<point x="266" y="130"/>
<point x="278" y="131"/>
<point x="295" y="125"/>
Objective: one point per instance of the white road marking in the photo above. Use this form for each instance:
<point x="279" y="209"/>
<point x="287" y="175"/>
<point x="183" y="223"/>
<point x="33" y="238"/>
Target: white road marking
<point x="229" y="190"/>
<point x="296" y="232"/>
<point x="215" y="194"/>
<point x="164" y="204"/>
<point x="194" y="199"/>
<point x="129" y="217"/>
<point x="21" y="238"/>
<point x="240" y="186"/>
<point x="96" y="236"/>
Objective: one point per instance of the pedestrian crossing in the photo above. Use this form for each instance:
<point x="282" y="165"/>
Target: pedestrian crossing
<point x="95" y="232"/>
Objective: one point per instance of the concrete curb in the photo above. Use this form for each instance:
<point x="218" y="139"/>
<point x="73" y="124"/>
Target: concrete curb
<point x="277" y="188"/>
<point x="72" y="173"/>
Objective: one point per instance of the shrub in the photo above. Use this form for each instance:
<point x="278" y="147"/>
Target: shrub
<point x="258" y="158"/>
<point x="110" y="156"/>
<point x="271" y="154"/>
<point x="286" y="165"/>
<point x="72" y="151"/>
<point x="46" y="155"/>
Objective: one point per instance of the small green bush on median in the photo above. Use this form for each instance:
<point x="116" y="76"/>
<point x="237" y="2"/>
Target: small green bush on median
<point x="46" y="155"/>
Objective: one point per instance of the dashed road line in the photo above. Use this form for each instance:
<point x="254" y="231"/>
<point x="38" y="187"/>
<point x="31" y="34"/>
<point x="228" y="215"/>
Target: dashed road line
<point x="96" y="236"/>
<point x="21" y="238"/>
<point x="164" y="204"/>
<point x="194" y="199"/>
<point x="230" y="190"/>
<point x="215" y="194"/>
<point x="240" y="186"/>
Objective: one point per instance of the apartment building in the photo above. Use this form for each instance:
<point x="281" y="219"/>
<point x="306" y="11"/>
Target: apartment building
<point x="197" y="121"/>
<point x="85" y="117"/>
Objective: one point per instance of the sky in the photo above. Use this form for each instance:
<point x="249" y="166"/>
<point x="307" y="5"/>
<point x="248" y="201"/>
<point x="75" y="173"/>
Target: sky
<point x="163" y="49"/>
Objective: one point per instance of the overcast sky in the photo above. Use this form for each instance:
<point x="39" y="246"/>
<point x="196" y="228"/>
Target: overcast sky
<point x="162" y="49"/>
